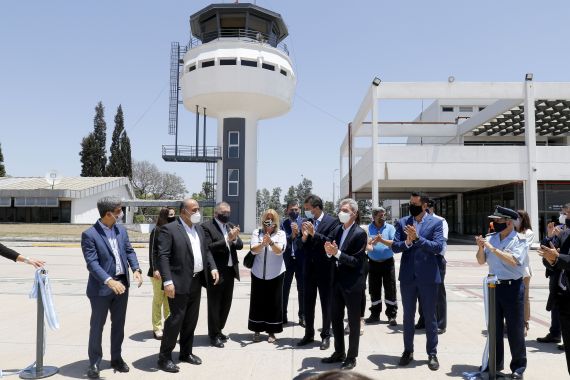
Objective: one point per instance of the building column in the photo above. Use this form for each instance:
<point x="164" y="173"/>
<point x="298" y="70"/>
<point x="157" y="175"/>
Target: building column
<point x="375" y="197"/>
<point x="531" y="182"/>
<point x="460" y="213"/>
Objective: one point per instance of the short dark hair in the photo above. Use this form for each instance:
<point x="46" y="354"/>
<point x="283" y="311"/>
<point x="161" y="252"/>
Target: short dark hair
<point x="292" y="202"/>
<point x="108" y="204"/>
<point x="314" y="201"/>
<point x="423" y="197"/>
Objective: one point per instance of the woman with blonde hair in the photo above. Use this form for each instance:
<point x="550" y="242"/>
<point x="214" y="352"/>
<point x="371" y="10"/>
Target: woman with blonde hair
<point x="267" y="273"/>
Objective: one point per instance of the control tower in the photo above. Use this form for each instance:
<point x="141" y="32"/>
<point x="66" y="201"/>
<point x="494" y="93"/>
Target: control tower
<point x="238" y="70"/>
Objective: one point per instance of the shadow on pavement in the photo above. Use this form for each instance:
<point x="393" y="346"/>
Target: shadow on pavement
<point x="551" y="348"/>
<point x="147" y="364"/>
<point x="142" y="336"/>
<point x="457" y="370"/>
<point x="313" y="365"/>
<point x="78" y="370"/>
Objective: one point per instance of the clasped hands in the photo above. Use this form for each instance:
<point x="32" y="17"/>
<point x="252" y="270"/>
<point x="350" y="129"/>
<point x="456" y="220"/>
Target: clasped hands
<point x="233" y="234"/>
<point x="331" y="248"/>
<point x="550" y="254"/>
<point x="482" y="242"/>
<point x="411" y="234"/>
<point x="308" y="229"/>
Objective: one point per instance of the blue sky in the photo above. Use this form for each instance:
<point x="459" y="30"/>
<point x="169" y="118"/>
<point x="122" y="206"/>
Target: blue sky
<point x="59" y="58"/>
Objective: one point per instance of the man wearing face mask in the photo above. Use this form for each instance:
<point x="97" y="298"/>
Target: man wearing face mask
<point x="186" y="264"/>
<point x="505" y="251"/>
<point x="294" y="258"/>
<point x="348" y="250"/>
<point x="109" y="255"/>
<point x="315" y="231"/>
<point x="419" y="238"/>
<point x="222" y="238"/>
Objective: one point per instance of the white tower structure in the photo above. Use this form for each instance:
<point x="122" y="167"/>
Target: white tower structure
<point x="239" y="71"/>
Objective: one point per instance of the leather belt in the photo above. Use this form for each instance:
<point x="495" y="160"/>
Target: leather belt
<point x="508" y="282"/>
<point x="197" y="273"/>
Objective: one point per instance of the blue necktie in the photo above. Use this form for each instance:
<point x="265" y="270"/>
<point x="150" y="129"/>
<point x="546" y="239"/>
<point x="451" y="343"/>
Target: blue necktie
<point x="316" y="224"/>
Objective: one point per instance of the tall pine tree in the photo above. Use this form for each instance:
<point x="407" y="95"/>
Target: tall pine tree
<point x="2" y="168"/>
<point x="89" y="164"/>
<point x="100" y="134"/>
<point x="126" y="154"/>
<point x="116" y="160"/>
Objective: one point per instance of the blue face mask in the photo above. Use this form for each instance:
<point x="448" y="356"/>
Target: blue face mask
<point x="309" y="214"/>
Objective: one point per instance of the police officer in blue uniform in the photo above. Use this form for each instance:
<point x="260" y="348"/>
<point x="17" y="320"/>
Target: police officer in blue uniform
<point x="505" y="251"/>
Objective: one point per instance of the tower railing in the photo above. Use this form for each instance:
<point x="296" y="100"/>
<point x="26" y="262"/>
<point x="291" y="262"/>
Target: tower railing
<point x="246" y="35"/>
<point x="191" y="153"/>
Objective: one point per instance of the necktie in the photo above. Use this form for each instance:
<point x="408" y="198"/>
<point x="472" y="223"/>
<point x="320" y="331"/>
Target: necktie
<point x="316" y="224"/>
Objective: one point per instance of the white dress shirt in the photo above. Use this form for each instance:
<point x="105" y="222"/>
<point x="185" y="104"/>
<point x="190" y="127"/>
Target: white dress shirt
<point x="224" y="229"/>
<point x="196" y="246"/>
<point x="112" y="239"/>
<point x="342" y="239"/>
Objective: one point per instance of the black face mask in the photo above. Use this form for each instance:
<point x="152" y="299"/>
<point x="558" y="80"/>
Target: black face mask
<point x="171" y="219"/>
<point x="498" y="227"/>
<point x="293" y="215"/>
<point x="416" y="210"/>
<point x="224" y="218"/>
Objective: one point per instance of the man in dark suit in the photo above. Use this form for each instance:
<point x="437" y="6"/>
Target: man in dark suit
<point x="108" y="254"/>
<point x="184" y="261"/>
<point x="419" y="238"/>
<point x="318" y="268"/>
<point x="294" y="259"/>
<point x="348" y="250"/>
<point x="223" y="241"/>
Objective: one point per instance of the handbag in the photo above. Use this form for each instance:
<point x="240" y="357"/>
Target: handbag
<point x="248" y="260"/>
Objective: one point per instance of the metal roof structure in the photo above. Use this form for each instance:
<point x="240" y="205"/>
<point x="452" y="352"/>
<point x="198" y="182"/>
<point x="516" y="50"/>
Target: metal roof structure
<point x="68" y="187"/>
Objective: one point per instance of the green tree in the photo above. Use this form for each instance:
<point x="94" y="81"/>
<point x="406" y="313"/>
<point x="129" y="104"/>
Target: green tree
<point x="329" y="208"/>
<point x="100" y="134"/>
<point x="2" y="168"/>
<point x="365" y="210"/>
<point x="304" y="189"/>
<point x="291" y="195"/>
<point x="275" y="201"/>
<point x="89" y="163"/>
<point x="126" y="155"/>
<point x="116" y="166"/>
<point x="263" y="199"/>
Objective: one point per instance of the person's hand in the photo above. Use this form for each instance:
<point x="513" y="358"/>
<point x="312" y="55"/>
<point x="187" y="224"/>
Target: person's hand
<point x="156" y="274"/>
<point x="310" y="228"/>
<point x="116" y="286"/>
<point x="550" y="229"/>
<point x="550" y="254"/>
<point x="557" y="230"/>
<point x="411" y="232"/>
<point x="138" y="277"/>
<point x="305" y="230"/>
<point x="480" y="240"/>
<point x="233" y="234"/>
<point x="266" y="240"/>
<point x="331" y="248"/>
<point x="294" y="229"/>
<point x="169" y="290"/>
<point x="34" y="262"/>
<point x="216" y="276"/>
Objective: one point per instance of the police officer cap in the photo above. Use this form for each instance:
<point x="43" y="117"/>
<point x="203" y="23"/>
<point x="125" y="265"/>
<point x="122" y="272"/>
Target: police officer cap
<point x="503" y="212"/>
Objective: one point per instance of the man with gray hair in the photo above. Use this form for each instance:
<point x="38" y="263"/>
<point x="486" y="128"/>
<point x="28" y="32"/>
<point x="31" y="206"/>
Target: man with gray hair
<point x="108" y="254"/>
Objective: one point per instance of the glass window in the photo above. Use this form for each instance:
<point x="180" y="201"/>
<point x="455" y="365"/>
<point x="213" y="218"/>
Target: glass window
<point x="192" y="68"/>
<point x="465" y="108"/>
<point x="446" y="109"/>
<point x="233" y="182"/>
<point x="5" y="201"/>
<point x="247" y="62"/>
<point x="228" y="61"/>
<point x="267" y="66"/>
<point x="233" y="144"/>
<point x="208" y="63"/>
<point x="232" y="21"/>
<point x="283" y="72"/>
<point x="258" y="24"/>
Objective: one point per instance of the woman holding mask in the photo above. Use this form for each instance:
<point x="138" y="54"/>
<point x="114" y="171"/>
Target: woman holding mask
<point x="267" y="273"/>
<point x="159" y="300"/>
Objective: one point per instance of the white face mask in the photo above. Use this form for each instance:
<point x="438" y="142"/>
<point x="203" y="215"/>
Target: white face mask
<point x="309" y="214"/>
<point x="196" y="218"/>
<point x="119" y="218"/>
<point x="343" y="217"/>
<point x="562" y="219"/>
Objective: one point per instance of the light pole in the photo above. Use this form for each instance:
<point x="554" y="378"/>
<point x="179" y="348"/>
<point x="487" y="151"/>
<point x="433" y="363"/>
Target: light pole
<point x="333" y="183"/>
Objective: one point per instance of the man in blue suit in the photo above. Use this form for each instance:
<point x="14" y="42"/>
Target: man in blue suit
<point x="419" y="238"/>
<point x="108" y="254"/>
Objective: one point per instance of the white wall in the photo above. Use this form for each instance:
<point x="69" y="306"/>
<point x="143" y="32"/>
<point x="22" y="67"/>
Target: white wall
<point x="84" y="210"/>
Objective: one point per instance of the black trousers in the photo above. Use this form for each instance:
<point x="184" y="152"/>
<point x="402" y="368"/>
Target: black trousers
<point x="294" y="268"/>
<point x="563" y="306"/>
<point x="100" y="307"/>
<point x="220" y="301"/>
<point x="382" y="273"/>
<point x="184" y="310"/>
<point x="441" y="306"/>
<point x="318" y="277"/>
<point x="351" y="300"/>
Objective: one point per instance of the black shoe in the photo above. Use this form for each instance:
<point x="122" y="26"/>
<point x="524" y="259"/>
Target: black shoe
<point x="406" y="358"/>
<point x="549" y="338"/>
<point x="93" y="371"/>
<point x="119" y="365"/>
<point x="302" y="322"/>
<point x="420" y="326"/>
<point x="223" y="337"/>
<point x="325" y="344"/>
<point x="306" y="340"/>
<point x="217" y="342"/>
<point x="336" y="357"/>
<point x="372" y="319"/>
<point x="517" y="375"/>
<point x="433" y="363"/>
<point x="392" y="321"/>
<point x="191" y="358"/>
<point x="441" y="331"/>
<point x="348" y="364"/>
<point x="561" y="347"/>
<point x="168" y="366"/>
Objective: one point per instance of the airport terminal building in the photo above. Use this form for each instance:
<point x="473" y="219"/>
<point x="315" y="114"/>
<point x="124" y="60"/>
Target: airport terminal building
<point x="477" y="145"/>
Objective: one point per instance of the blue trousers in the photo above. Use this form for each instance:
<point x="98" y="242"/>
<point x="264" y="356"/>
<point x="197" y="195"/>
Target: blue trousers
<point x="509" y="303"/>
<point x="427" y="294"/>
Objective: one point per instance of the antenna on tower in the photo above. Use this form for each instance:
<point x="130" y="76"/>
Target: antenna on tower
<point x="53" y="178"/>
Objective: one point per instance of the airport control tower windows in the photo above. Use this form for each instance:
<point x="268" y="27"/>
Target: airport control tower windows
<point x="233" y="144"/>
<point x="233" y="182"/>
<point x="247" y="62"/>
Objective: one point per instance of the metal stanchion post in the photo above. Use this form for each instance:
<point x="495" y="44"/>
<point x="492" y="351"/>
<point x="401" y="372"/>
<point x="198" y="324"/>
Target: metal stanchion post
<point x="492" y="328"/>
<point x="39" y="371"/>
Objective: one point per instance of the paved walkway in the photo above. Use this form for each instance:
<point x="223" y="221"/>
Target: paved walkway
<point x="460" y="348"/>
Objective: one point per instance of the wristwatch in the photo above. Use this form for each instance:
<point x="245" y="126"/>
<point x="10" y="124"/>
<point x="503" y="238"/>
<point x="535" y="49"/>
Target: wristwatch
<point x="138" y="270"/>
<point x="272" y="243"/>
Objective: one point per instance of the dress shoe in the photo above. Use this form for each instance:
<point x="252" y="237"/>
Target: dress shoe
<point x="217" y="342"/>
<point x="191" y="358"/>
<point x="561" y="347"/>
<point x="441" y="331"/>
<point x="223" y="337"/>
<point x="372" y="319"/>
<point x="336" y="357"/>
<point x="325" y="344"/>
<point x="348" y="364"/>
<point x="433" y="363"/>
<point x="157" y="334"/>
<point x="420" y="326"/>
<point x="302" y="322"/>
<point x="306" y="340"/>
<point x="168" y="366"/>
<point x="392" y="321"/>
<point x="516" y="375"/>
<point x="93" y="371"/>
<point x="406" y="358"/>
<point x="119" y="365"/>
<point x="549" y="338"/>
